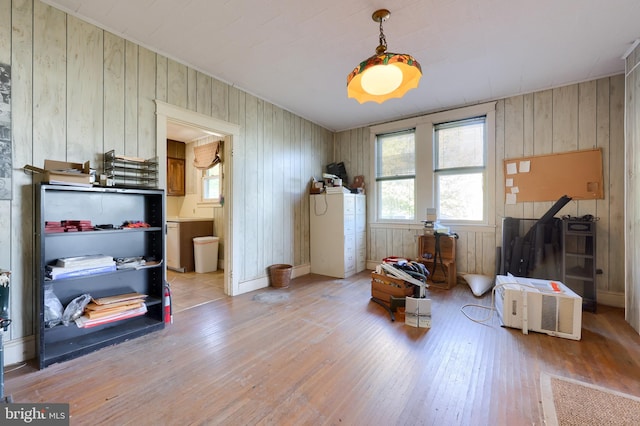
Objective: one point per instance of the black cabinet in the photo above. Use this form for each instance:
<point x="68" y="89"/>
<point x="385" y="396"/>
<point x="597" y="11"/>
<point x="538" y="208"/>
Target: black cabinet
<point x="579" y="259"/>
<point x="101" y="206"/>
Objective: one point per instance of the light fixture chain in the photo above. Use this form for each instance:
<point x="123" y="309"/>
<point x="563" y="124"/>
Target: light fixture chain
<point x="383" y="40"/>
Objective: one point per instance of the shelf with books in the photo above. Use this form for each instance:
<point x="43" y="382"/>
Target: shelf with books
<point x="101" y="232"/>
<point x="98" y="263"/>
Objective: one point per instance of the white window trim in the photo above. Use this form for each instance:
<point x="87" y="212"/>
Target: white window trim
<point x="425" y="191"/>
<point x="212" y="202"/>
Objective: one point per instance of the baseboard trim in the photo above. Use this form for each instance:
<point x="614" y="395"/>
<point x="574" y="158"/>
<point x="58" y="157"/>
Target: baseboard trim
<point x="371" y="264"/>
<point x="263" y="282"/>
<point x="610" y="299"/>
<point x="19" y="350"/>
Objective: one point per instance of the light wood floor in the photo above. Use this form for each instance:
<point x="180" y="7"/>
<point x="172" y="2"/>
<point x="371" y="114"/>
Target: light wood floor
<point x="319" y="352"/>
<point x="191" y="289"/>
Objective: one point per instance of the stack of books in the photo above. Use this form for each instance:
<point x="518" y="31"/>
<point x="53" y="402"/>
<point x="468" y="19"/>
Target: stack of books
<point x="77" y="225"/>
<point x="72" y="267"/>
<point x="67" y="226"/>
<point x="104" y="310"/>
<point x="51" y="227"/>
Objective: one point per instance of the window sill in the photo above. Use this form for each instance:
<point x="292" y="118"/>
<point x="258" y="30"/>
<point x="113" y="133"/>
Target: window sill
<point x="208" y="204"/>
<point x="454" y="227"/>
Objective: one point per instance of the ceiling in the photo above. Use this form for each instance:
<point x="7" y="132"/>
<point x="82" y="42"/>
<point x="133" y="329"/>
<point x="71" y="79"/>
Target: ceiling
<point x="297" y="54"/>
<point x="183" y="133"/>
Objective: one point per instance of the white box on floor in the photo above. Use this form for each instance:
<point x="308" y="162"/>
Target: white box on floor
<point x="543" y="306"/>
<point x="417" y="312"/>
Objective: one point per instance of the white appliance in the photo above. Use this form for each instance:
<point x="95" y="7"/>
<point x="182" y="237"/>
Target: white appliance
<point x="539" y="305"/>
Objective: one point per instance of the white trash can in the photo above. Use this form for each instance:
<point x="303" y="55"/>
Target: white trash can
<point x="205" y="250"/>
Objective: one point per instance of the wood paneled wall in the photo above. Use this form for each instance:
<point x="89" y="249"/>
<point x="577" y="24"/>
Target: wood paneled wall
<point x="573" y="117"/>
<point x="632" y="167"/>
<point x="79" y="91"/>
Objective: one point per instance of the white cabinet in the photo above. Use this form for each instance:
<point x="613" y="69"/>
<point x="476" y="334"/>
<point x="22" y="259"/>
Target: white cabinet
<point x="361" y="233"/>
<point x="338" y="234"/>
<point x="173" y="245"/>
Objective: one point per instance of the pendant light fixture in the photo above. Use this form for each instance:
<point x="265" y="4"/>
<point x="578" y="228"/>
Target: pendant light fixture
<point x="384" y="75"/>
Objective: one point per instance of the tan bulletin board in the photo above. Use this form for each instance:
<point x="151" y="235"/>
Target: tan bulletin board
<point x="577" y="174"/>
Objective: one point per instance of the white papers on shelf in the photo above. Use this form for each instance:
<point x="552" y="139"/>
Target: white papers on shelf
<point x="337" y="190"/>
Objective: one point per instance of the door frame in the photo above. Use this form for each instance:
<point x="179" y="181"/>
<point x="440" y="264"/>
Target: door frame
<point x="166" y="112"/>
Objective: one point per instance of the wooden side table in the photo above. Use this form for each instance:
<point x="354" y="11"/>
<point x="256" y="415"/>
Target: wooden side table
<point x="438" y="253"/>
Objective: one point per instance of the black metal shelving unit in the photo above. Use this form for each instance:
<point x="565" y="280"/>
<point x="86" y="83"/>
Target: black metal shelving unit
<point x="101" y="206"/>
<point x="579" y="259"/>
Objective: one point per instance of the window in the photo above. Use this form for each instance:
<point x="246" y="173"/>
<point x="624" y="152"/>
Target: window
<point x="459" y="168"/>
<point x="212" y="184"/>
<point x="395" y="175"/>
<point x="444" y="160"/>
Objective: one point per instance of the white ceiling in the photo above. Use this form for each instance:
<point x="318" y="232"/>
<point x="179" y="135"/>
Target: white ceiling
<point x="297" y="53"/>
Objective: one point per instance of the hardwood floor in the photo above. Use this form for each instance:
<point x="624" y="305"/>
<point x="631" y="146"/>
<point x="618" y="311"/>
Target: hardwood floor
<point x="319" y="352"/>
<point x="191" y="289"/>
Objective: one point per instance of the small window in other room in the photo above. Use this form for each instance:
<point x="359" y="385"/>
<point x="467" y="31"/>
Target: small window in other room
<point x="396" y="175"/>
<point x="212" y="184"/>
<point x="460" y="169"/>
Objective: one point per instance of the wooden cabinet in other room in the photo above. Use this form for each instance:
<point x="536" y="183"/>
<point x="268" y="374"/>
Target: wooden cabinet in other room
<point x="338" y="234"/>
<point x="175" y="176"/>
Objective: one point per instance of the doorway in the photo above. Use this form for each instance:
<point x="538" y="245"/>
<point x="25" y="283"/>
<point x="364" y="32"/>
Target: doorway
<point x="180" y="119"/>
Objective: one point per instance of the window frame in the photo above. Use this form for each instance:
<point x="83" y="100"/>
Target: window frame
<point x="379" y="179"/>
<point x="203" y="178"/>
<point x="425" y="184"/>
<point x="460" y="170"/>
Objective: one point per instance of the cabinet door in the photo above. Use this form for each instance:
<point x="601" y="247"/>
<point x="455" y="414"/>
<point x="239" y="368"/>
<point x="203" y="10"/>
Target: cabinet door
<point x="175" y="176"/>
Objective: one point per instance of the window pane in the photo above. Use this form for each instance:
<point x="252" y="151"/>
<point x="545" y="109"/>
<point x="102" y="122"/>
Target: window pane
<point x="396" y="155"/>
<point x="211" y="183"/>
<point x="397" y="199"/>
<point x="461" y="196"/>
<point x="460" y="145"/>
<point x="211" y="188"/>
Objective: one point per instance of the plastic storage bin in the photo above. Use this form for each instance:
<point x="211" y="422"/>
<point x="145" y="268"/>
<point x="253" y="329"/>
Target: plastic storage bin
<point x="205" y="250"/>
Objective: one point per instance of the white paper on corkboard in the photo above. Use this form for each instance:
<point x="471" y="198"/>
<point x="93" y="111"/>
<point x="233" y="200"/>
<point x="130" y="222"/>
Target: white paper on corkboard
<point x="576" y="174"/>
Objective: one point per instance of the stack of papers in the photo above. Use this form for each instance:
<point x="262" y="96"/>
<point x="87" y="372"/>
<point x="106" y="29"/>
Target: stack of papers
<point x="337" y="190"/>
<point x="71" y="267"/>
<point x="113" y="308"/>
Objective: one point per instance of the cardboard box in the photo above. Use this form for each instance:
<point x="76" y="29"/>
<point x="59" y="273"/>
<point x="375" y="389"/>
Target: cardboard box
<point x="64" y="173"/>
<point x="417" y="312"/>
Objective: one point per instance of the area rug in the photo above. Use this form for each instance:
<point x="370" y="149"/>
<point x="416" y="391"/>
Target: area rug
<point x="271" y="297"/>
<point x="568" y="402"/>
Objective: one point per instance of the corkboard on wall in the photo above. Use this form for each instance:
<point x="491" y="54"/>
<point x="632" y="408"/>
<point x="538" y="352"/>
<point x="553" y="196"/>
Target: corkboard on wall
<point x="577" y="174"/>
